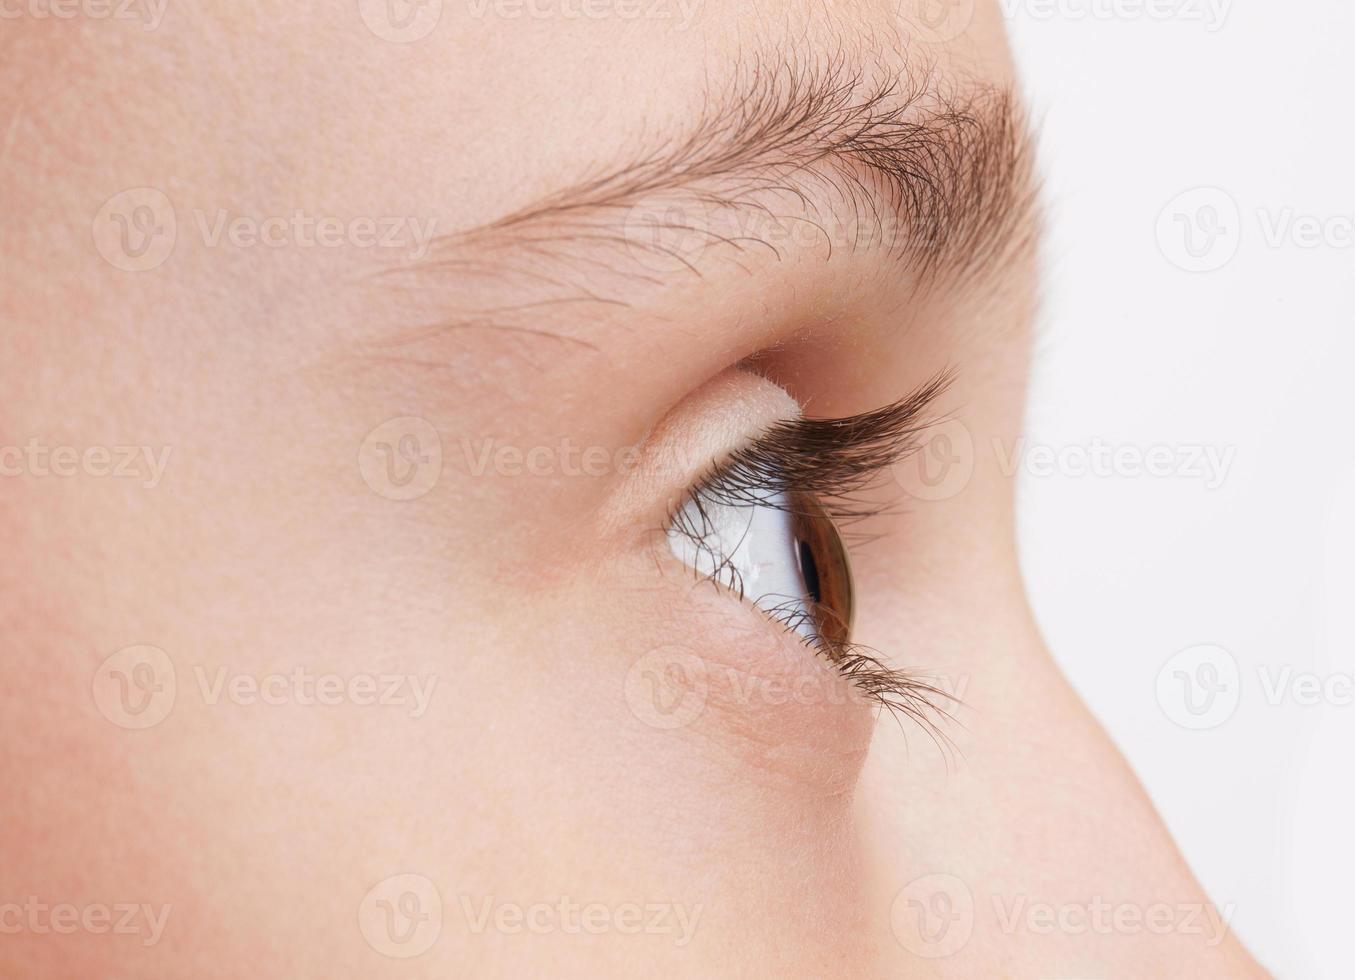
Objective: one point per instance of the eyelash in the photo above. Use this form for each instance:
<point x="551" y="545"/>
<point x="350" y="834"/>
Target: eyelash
<point x="833" y="460"/>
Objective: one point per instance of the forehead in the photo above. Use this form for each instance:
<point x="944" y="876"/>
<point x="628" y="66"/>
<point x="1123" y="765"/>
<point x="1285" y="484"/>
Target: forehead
<point x="528" y="103"/>
<point x="451" y="116"/>
<point x="481" y="105"/>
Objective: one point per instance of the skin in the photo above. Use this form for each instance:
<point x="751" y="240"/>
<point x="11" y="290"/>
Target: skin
<point x="788" y="837"/>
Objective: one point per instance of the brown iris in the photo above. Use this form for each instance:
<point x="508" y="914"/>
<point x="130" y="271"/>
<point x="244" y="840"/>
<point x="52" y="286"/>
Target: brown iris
<point x="826" y="570"/>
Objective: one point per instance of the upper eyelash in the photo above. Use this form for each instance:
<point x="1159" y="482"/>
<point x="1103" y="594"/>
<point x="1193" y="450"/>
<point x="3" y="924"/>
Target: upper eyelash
<point x="835" y="460"/>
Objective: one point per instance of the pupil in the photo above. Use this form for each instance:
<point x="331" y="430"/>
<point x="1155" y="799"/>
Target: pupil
<point x="810" y="571"/>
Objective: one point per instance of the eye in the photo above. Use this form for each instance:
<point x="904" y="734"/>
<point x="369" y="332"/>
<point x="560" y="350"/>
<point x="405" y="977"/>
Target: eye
<point x="778" y="549"/>
<point x="764" y="523"/>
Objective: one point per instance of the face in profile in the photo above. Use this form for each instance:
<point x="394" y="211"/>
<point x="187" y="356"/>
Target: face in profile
<point x="508" y="491"/>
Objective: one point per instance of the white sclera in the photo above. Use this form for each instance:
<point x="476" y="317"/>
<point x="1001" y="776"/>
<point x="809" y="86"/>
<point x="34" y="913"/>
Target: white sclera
<point x="752" y="546"/>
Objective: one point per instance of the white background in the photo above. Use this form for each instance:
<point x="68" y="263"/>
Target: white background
<point x="1253" y="357"/>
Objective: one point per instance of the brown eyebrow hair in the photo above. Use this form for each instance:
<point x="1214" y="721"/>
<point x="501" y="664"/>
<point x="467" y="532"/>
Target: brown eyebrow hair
<point x="934" y="173"/>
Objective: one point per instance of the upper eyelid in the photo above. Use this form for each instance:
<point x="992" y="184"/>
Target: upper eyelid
<point x="834" y="458"/>
<point x="729" y="409"/>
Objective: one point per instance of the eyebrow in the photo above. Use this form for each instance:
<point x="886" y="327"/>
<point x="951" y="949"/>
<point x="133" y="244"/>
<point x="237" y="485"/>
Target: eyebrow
<point x="933" y="173"/>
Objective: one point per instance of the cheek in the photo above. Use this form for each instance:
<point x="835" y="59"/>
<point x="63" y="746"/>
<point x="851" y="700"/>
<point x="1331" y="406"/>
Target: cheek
<point x="694" y="751"/>
<point x="639" y="735"/>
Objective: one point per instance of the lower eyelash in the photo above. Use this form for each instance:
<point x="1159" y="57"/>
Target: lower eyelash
<point x="902" y="692"/>
<point x="834" y="460"/>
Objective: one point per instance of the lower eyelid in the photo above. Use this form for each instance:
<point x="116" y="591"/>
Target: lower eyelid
<point x="767" y="673"/>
